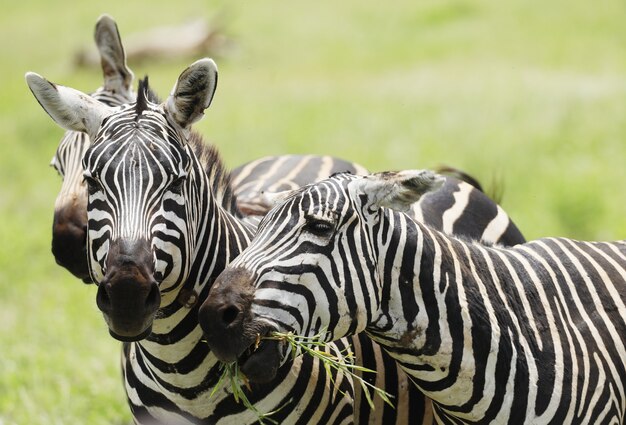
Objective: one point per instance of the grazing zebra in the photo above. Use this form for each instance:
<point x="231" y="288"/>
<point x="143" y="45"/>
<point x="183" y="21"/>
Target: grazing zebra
<point x="530" y="334"/>
<point x="162" y="226"/>
<point x="69" y="228"/>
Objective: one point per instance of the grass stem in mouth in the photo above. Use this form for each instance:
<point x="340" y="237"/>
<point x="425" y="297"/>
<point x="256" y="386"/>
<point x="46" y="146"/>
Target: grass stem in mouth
<point x="341" y="361"/>
<point x="238" y="384"/>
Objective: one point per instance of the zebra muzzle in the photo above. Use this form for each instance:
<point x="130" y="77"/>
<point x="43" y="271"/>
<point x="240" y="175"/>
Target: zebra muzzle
<point x="232" y="331"/>
<point x="225" y="316"/>
<point x="128" y="295"/>
<point x="260" y="362"/>
<point x="69" y="241"/>
<point x="128" y="308"/>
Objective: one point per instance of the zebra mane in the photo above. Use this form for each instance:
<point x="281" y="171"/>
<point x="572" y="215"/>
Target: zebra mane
<point x="219" y="175"/>
<point x="144" y="95"/>
<point x="496" y="191"/>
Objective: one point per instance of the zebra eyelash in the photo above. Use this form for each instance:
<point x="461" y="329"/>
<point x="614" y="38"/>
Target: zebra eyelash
<point x="318" y="226"/>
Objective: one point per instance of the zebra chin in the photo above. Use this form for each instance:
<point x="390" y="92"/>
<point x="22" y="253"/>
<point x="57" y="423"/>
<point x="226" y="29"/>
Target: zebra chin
<point x="131" y="338"/>
<point x="129" y="327"/>
<point x="261" y="359"/>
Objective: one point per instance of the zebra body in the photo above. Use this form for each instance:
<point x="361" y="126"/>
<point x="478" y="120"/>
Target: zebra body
<point x="531" y="334"/>
<point x="162" y="225"/>
<point x="456" y="208"/>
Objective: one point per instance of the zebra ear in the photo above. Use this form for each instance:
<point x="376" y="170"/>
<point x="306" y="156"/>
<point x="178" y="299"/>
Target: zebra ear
<point x="398" y="190"/>
<point x="117" y="76"/>
<point x="192" y="93"/>
<point x="71" y="109"/>
<point x="271" y="199"/>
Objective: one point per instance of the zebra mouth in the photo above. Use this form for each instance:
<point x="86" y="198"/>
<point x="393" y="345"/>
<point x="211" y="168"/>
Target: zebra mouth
<point x="134" y="338"/>
<point x="261" y="360"/>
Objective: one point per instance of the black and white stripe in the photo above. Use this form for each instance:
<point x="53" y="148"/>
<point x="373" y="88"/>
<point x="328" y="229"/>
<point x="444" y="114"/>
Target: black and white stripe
<point x="458" y="207"/>
<point x="530" y="334"/>
<point x="186" y="212"/>
<point x="148" y="188"/>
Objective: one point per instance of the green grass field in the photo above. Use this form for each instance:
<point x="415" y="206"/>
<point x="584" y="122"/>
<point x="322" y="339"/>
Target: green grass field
<point x="531" y="96"/>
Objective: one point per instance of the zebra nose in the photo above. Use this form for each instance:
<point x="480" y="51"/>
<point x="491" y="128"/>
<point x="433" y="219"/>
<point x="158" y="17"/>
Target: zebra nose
<point x="103" y="300"/>
<point x="226" y="313"/>
<point x="223" y="312"/>
<point x="229" y="314"/>
<point x="133" y="298"/>
<point x="69" y="231"/>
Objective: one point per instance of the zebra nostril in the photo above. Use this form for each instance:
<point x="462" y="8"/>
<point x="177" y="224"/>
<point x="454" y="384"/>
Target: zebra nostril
<point x="102" y="299"/>
<point x="153" y="300"/>
<point x="228" y="315"/>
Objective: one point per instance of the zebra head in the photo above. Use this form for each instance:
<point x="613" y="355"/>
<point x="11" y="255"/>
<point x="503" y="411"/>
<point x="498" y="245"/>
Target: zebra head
<point x="69" y="228"/>
<point x="136" y="170"/>
<point x="312" y="266"/>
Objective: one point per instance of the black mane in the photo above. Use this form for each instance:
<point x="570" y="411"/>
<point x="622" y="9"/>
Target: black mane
<point x="219" y="175"/>
<point x="144" y="95"/>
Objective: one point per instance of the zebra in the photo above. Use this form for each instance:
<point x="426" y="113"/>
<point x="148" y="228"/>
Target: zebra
<point x="534" y="333"/>
<point x="249" y="180"/>
<point x="459" y="207"/>
<point x="69" y="227"/>
<point x="159" y="234"/>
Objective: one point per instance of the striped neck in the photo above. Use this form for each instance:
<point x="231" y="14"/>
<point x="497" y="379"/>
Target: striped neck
<point x="532" y="333"/>
<point x="426" y="317"/>
<point x="216" y="235"/>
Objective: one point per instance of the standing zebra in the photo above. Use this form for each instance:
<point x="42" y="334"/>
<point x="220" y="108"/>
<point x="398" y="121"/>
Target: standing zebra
<point x="161" y="228"/>
<point x="70" y="213"/>
<point x="530" y="334"/>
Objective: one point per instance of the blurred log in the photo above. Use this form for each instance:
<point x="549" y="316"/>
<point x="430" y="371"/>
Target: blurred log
<point x="193" y="39"/>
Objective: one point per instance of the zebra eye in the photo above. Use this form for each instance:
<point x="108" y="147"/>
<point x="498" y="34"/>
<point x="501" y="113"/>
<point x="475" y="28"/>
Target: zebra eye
<point x="177" y="183"/>
<point x="319" y="227"/>
<point x="92" y="183"/>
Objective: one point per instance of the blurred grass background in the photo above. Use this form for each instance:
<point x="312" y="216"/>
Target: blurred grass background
<point x="528" y="95"/>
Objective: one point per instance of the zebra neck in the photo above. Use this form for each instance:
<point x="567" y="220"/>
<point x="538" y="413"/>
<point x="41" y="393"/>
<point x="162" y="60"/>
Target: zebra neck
<point x="423" y="320"/>
<point x="214" y="237"/>
<point x="496" y="334"/>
